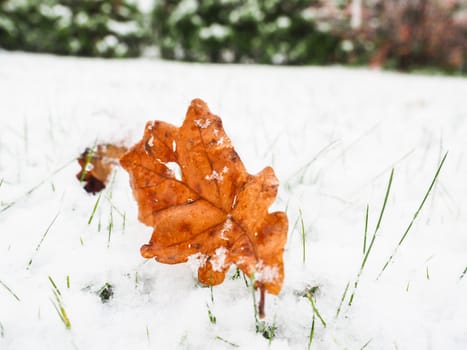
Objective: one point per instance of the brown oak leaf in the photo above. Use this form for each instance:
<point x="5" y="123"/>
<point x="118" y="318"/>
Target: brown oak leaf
<point x="96" y="165"/>
<point x="214" y="210"/>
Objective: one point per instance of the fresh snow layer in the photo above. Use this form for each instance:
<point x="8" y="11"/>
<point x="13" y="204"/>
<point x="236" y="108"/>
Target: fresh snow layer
<point x="332" y="135"/>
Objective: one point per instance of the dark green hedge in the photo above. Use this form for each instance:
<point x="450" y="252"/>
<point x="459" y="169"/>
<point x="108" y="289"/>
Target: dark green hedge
<point x="263" y="31"/>
<point x="70" y="27"/>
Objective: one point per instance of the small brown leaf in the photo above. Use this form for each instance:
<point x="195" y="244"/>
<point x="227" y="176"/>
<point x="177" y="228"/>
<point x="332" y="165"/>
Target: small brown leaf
<point x="96" y="166"/>
<point x="215" y="211"/>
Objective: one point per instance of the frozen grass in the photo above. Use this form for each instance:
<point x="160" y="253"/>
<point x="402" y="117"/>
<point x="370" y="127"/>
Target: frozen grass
<point x="58" y="304"/>
<point x="332" y="134"/>
<point x="8" y="289"/>
<point x="373" y="238"/>
<point x="42" y="239"/>
<point x="417" y="212"/>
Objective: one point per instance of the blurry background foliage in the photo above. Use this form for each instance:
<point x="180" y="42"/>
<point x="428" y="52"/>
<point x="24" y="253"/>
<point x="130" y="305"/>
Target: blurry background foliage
<point x="73" y="27"/>
<point x="400" y="34"/>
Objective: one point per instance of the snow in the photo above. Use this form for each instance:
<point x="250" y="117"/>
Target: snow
<point x="202" y="123"/>
<point x="218" y="176"/>
<point x="266" y="273"/>
<point x="227" y="226"/>
<point x="332" y="135"/>
<point x="218" y="260"/>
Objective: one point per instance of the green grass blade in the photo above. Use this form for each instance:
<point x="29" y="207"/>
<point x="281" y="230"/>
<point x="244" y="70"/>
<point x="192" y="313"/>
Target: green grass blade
<point x="212" y="317"/>
<point x="31" y="190"/>
<point x="417" y="212"/>
<point x="366" y="229"/>
<point x="95" y="208"/>
<point x="227" y="342"/>
<point x="255" y="305"/>
<point x="315" y="309"/>
<point x="58" y="304"/>
<point x="302" y="224"/>
<point x="43" y="238"/>
<point x="89" y="156"/>
<point x="383" y="208"/>
<point x="312" y="332"/>
<point x="342" y="299"/>
<point x="463" y="273"/>
<point x="55" y="286"/>
<point x="366" y="344"/>
<point x="148" y="335"/>
<point x="368" y="251"/>
<point x="9" y="290"/>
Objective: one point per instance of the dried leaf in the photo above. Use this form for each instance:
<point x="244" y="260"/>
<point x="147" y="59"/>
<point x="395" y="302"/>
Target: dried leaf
<point x="215" y="210"/>
<point x="96" y="166"/>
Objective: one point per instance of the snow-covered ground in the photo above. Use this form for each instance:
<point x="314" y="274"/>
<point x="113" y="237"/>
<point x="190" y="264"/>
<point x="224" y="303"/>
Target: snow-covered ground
<point x="332" y="134"/>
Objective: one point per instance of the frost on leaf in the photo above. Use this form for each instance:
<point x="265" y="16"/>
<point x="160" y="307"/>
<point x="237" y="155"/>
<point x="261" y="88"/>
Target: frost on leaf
<point x="215" y="209"/>
<point x="96" y="166"/>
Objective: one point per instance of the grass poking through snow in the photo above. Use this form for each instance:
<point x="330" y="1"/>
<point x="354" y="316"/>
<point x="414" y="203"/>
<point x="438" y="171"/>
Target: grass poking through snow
<point x="315" y="309"/>
<point x="148" y="337"/>
<point x="43" y="238"/>
<point x="463" y="273"/>
<point x="366" y="229"/>
<point x="417" y="212"/>
<point x="227" y="342"/>
<point x="342" y="299"/>
<point x="58" y="304"/>
<point x="9" y="290"/>
<point x="368" y="251"/>
<point x="366" y="344"/>
<point x="94" y="208"/>
<point x="38" y="185"/>
<point x="87" y="163"/>
<point x="302" y="226"/>
<point x="312" y="333"/>
<point x="212" y="317"/>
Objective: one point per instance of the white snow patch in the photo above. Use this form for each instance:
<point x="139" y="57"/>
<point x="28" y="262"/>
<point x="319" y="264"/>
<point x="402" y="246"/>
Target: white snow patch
<point x="175" y="169"/>
<point x="202" y="123"/>
<point x="266" y="273"/>
<point x="226" y="228"/>
<point x="196" y="260"/>
<point x="218" y="259"/>
<point x="217" y="176"/>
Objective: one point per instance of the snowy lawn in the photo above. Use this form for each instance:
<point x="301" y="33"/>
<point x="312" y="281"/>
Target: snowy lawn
<point x="332" y="134"/>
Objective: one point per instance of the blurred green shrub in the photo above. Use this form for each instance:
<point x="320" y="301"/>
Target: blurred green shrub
<point x="69" y="27"/>
<point x="262" y="31"/>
